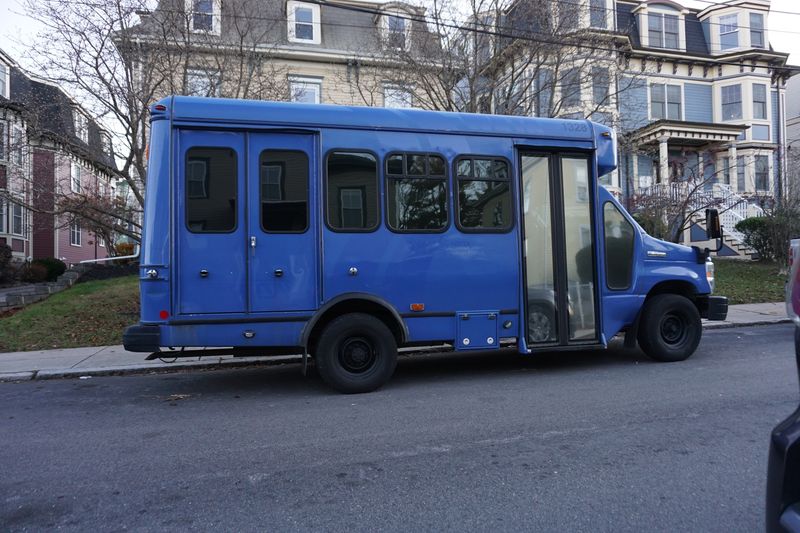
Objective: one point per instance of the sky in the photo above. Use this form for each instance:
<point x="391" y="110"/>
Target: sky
<point x="18" y="31"/>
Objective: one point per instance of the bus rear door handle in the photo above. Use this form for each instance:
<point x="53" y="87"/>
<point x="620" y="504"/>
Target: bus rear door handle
<point x="204" y="273"/>
<point x="278" y="273"/>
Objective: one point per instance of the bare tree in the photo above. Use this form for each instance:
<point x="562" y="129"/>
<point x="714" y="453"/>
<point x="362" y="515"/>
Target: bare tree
<point x="117" y="57"/>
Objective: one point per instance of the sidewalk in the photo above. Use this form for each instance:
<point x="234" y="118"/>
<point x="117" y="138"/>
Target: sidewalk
<point x="114" y="360"/>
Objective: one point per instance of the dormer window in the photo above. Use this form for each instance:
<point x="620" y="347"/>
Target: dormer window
<point x="396" y="31"/>
<point x="597" y="14"/>
<point x="204" y="16"/>
<point x="4" y="81"/>
<point x="81" y="123"/>
<point x="757" y="30"/>
<point x="304" y="22"/>
<point x="663" y="30"/>
<point x="729" y="31"/>
<point x="105" y="143"/>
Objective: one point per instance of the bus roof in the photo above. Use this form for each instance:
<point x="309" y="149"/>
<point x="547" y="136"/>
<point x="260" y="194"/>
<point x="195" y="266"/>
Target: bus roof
<point x="230" y="111"/>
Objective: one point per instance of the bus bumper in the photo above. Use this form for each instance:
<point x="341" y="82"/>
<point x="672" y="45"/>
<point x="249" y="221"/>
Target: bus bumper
<point x="142" y="338"/>
<point x="714" y="307"/>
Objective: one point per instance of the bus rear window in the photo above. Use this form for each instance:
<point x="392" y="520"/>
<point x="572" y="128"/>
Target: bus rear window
<point x="484" y="194"/>
<point x="211" y="194"/>
<point x="352" y="191"/>
<point x="283" y="190"/>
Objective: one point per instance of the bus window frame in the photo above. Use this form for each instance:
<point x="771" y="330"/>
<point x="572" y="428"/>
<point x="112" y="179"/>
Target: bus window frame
<point x="457" y="203"/>
<point x="308" y="192"/>
<point x="186" y="198"/>
<point x="444" y="179"/>
<point x="324" y="199"/>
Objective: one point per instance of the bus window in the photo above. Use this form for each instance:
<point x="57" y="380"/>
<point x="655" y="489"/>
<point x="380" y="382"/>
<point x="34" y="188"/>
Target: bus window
<point x="619" y="248"/>
<point x="484" y="194"/>
<point x="416" y="192"/>
<point x="211" y="181"/>
<point x="283" y="190"/>
<point x="352" y="191"/>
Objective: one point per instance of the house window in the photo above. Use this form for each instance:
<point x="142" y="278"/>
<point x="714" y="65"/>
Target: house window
<point x="663" y="30"/>
<point x="16" y="219"/>
<point x="395" y="96"/>
<point x="75" y="233"/>
<point x="2" y="141"/>
<point x="352" y="207"/>
<point x="304" y="24"/>
<point x="759" y="101"/>
<point x="665" y="102"/>
<point x="762" y="172"/>
<point x="75" y="177"/>
<point x="740" y="184"/>
<point x="305" y="90"/>
<point x="597" y="14"/>
<point x="2" y="216"/>
<point x="17" y="146"/>
<point x="396" y="31"/>
<point x="105" y="143"/>
<point x="732" y="102"/>
<point x="4" y="80"/>
<point x="81" y="124"/>
<point x="204" y="15"/>
<point x="571" y="88"/>
<point x="101" y="241"/>
<point x="200" y="82"/>
<point x="600" y="84"/>
<point x="756" y="30"/>
<point x="197" y="177"/>
<point x="729" y="31"/>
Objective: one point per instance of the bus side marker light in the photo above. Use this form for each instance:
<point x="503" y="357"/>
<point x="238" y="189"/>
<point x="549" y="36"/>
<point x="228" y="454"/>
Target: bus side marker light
<point x="164" y="314"/>
<point x="417" y="307"/>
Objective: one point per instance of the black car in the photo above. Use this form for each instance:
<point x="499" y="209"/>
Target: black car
<point x="783" y="473"/>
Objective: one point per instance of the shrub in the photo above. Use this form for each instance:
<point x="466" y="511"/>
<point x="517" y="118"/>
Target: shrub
<point x="756" y="232"/>
<point x="32" y="273"/>
<point x="5" y="261"/>
<point x="55" y="267"/>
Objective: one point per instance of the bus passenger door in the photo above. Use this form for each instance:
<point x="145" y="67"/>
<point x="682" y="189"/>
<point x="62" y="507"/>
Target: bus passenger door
<point x="210" y="223"/>
<point x="282" y="244"/>
<point x="561" y="293"/>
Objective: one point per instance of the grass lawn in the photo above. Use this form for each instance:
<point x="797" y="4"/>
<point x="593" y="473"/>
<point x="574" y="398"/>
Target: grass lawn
<point x="89" y="314"/>
<point x="745" y="282"/>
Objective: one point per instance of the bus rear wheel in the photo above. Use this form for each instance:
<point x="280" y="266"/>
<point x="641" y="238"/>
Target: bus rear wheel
<point x="356" y="353"/>
<point x="670" y="328"/>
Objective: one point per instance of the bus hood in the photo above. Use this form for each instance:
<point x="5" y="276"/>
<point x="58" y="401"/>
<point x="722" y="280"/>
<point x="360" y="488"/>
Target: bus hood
<point x="667" y="251"/>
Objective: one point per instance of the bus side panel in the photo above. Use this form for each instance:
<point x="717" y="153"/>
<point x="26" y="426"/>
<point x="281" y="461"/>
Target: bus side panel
<point x="155" y="249"/>
<point x="447" y="272"/>
<point x="259" y="334"/>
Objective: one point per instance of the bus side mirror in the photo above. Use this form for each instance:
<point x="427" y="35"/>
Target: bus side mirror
<point x="713" y="228"/>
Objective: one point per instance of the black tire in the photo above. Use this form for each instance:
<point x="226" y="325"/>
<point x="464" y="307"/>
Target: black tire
<point x="670" y="328"/>
<point x="356" y="353"/>
<point x="541" y="323"/>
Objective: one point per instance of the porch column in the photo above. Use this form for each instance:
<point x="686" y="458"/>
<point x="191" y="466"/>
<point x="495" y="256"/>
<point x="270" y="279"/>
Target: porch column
<point x="663" y="160"/>
<point x="733" y="171"/>
<point x="634" y="172"/>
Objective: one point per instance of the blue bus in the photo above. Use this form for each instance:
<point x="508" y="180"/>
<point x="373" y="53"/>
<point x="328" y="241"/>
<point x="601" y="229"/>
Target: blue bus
<point x="343" y="233"/>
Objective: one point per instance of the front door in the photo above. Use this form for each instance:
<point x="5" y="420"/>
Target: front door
<point x="561" y="303"/>
<point x="282" y="245"/>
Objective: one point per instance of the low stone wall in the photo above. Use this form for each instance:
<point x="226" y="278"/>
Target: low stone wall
<point x="18" y="297"/>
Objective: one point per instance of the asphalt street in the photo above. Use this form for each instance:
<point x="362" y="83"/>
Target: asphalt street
<point x="587" y="441"/>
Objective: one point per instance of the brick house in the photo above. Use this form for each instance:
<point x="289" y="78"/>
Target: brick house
<point x="50" y="152"/>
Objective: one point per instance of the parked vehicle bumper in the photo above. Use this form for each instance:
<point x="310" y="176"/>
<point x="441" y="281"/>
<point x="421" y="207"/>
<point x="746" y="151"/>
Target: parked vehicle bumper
<point x="783" y="472"/>
<point x="142" y="338"/>
<point x="714" y="307"/>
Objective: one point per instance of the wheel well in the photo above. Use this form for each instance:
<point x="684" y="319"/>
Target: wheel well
<point x="356" y="306"/>
<point x="681" y="288"/>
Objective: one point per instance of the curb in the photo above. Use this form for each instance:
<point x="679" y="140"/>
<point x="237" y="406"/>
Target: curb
<point x="225" y="364"/>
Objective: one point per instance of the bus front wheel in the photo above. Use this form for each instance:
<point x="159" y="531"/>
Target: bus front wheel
<point x="670" y="328"/>
<point x="356" y="353"/>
